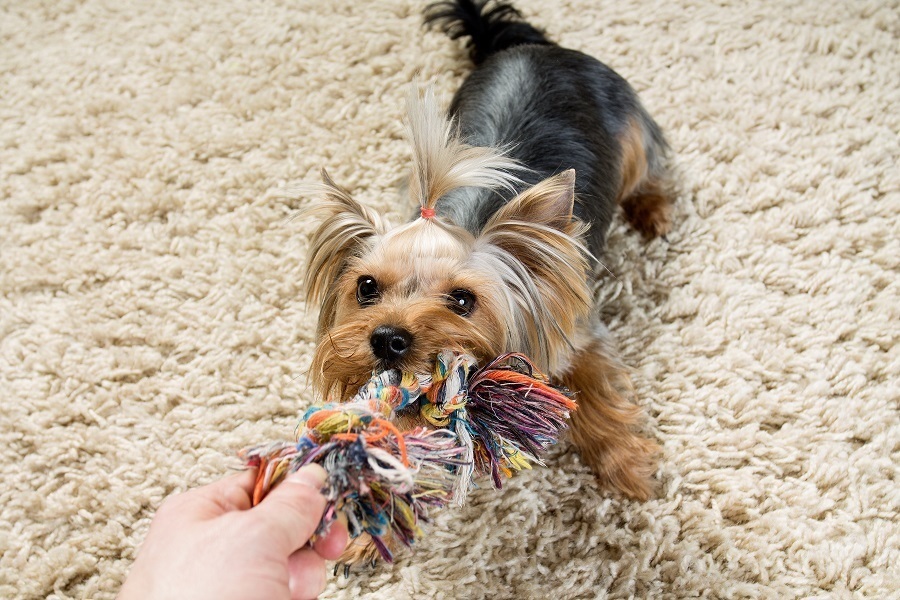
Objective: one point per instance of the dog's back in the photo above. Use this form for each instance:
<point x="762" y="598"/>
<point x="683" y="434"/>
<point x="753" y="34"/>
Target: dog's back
<point x="554" y="109"/>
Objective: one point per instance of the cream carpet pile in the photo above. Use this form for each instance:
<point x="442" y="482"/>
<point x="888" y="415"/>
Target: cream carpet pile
<point x="152" y="321"/>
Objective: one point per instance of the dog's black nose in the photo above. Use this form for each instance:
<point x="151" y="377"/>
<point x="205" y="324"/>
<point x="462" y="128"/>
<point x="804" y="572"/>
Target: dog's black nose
<point x="390" y="343"/>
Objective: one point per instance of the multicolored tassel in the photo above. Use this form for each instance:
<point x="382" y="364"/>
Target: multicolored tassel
<point x="505" y="414"/>
<point x="515" y="414"/>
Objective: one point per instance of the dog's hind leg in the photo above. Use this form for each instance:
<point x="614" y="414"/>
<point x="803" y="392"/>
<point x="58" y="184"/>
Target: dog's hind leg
<point x="645" y="195"/>
<point x="603" y="426"/>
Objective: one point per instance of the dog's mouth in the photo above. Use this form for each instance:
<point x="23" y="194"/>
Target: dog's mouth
<point x="415" y="363"/>
<point x="384" y="365"/>
<point x="345" y="359"/>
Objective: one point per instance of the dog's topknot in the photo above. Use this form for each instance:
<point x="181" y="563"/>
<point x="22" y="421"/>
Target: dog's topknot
<point x="442" y="161"/>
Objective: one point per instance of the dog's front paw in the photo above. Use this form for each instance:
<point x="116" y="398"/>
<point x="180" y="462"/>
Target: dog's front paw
<point x="361" y="554"/>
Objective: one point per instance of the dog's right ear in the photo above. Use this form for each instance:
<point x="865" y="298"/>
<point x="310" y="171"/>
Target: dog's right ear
<point x="345" y="228"/>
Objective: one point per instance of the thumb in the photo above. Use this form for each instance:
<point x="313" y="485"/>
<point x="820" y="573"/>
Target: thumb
<point x="292" y="511"/>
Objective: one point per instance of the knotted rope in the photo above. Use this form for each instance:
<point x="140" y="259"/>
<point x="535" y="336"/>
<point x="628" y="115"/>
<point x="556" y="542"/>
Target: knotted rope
<point x="495" y="420"/>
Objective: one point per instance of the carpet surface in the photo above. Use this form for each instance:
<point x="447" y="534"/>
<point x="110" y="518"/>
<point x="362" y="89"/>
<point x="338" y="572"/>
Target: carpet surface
<point x="152" y="321"/>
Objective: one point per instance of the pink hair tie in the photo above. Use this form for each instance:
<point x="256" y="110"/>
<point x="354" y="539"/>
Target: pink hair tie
<point x="427" y="213"/>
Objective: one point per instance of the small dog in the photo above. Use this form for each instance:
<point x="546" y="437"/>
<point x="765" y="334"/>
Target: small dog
<point x="500" y="256"/>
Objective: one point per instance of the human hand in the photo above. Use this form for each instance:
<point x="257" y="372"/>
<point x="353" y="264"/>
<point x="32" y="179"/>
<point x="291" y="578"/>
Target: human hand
<point x="208" y="543"/>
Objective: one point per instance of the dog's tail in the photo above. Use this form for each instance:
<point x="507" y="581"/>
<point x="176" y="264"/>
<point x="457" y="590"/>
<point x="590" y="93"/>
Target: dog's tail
<point x="490" y="25"/>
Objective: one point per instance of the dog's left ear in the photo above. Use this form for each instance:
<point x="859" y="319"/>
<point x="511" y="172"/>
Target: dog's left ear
<point x="346" y="227"/>
<point x="545" y="264"/>
<point x="549" y="203"/>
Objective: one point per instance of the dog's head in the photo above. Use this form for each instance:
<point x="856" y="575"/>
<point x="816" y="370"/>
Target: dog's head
<point x="394" y="297"/>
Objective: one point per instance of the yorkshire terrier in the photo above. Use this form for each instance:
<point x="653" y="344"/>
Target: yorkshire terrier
<point x="517" y="188"/>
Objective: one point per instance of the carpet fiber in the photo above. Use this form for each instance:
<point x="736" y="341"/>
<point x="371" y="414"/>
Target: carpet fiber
<point x="152" y="322"/>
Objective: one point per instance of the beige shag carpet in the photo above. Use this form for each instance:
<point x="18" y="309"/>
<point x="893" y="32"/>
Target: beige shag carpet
<point x="152" y="321"/>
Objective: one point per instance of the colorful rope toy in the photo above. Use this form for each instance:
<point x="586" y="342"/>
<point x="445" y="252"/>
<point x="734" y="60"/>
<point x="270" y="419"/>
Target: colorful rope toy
<point x="495" y="420"/>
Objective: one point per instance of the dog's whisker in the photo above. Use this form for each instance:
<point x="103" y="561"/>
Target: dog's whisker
<point x="608" y="270"/>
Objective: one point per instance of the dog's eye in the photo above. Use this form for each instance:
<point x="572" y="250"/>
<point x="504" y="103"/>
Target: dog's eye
<point x="462" y="302"/>
<point x="367" y="291"/>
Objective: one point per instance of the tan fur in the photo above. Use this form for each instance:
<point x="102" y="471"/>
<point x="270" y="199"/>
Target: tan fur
<point x="360" y="550"/>
<point x="603" y="426"/>
<point x="634" y="159"/>
<point x="642" y="195"/>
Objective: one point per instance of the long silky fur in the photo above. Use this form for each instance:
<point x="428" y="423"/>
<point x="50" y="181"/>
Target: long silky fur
<point x="535" y="246"/>
<point x="346" y="228"/>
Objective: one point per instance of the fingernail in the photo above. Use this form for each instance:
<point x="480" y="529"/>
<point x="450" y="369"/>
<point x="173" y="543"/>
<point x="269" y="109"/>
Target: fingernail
<point x="312" y="475"/>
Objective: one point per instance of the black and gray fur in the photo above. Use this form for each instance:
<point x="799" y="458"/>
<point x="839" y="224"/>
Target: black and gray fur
<point x="553" y="108"/>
